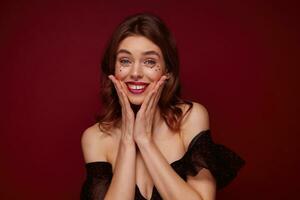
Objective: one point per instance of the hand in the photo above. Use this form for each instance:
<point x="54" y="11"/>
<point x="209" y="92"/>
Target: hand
<point x="127" y="113"/>
<point x="142" y="130"/>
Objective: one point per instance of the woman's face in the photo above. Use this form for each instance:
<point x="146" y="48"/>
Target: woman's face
<point x="139" y="62"/>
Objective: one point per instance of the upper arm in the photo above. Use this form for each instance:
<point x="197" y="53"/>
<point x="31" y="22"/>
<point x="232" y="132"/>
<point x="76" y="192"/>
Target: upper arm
<point x="195" y="121"/>
<point x="204" y="183"/>
<point x="93" y="145"/>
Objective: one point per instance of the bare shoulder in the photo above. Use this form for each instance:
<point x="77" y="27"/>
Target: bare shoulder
<point x="95" y="144"/>
<point x="195" y="120"/>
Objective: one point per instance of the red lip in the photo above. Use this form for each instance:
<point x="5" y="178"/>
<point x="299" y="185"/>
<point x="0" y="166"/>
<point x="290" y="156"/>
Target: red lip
<point x="136" y="91"/>
<point x="136" y="83"/>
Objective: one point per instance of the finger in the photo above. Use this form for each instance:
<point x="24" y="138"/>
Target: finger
<point x="152" y="105"/>
<point x="118" y="89"/>
<point x="114" y="80"/>
<point x="148" y="97"/>
<point x="126" y="108"/>
<point x="126" y="100"/>
<point x="155" y="92"/>
<point x="158" y="89"/>
<point x="127" y="113"/>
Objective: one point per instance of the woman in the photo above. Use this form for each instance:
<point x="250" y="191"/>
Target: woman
<point x="149" y="143"/>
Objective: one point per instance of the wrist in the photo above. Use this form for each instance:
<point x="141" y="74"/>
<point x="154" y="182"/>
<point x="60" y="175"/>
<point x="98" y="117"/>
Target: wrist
<point x="144" y="142"/>
<point x="127" y="142"/>
<point x="127" y="148"/>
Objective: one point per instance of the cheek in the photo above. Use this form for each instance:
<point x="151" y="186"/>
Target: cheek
<point x="154" y="73"/>
<point x="121" y="72"/>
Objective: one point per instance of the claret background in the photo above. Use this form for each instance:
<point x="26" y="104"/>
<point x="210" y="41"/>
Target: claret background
<point x="238" y="58"/>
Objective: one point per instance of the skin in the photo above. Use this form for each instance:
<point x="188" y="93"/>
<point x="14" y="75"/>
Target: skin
<point x="139" y="59"/>
<point x="143" y="137"/>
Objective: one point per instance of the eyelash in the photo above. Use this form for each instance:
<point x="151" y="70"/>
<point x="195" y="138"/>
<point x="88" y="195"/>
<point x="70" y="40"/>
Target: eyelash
<point x="151" y="62"/>
<point x="126" y="62"/>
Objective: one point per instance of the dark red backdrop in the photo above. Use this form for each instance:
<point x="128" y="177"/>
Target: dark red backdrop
<point x="237" y="59"/>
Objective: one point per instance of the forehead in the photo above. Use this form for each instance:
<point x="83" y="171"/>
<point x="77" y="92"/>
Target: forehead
<point x="138" y="45"/>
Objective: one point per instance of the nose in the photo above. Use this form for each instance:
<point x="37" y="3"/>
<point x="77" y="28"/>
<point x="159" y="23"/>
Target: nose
<point x="136" y="72"/>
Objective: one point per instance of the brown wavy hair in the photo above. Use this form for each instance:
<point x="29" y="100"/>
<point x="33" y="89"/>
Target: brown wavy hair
<point x="154" y="29"/>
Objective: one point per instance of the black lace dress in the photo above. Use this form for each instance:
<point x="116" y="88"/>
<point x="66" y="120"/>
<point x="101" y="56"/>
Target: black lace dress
<point x="202" y="152"/>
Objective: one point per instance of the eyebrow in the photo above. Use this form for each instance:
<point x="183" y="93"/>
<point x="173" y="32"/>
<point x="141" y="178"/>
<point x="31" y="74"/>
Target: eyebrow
<point x="144" y="53"/>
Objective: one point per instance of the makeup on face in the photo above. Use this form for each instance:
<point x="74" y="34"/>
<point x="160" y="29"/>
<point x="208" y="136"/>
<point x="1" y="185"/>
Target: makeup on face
<point x="149" y="59"/>
<point x="139" y="62"/>
<point x="148" y="67"/>
<point x="136" y="87"/>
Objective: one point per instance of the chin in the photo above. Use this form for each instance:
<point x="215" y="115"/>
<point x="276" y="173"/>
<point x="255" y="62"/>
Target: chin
<point x="136" y="100"/>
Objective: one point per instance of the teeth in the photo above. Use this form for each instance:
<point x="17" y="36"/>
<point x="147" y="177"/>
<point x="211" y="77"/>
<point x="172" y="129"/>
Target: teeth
<point x="136" y="87"/>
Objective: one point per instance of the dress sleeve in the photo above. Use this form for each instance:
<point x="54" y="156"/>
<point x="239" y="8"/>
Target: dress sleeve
<point x="98" y="178"/>
<point x="222" y="162"/>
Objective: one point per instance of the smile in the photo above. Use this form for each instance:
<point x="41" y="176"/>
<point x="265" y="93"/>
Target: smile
<point x="136" y="87"/>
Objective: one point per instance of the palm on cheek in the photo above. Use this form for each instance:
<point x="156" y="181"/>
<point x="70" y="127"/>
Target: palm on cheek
<point x="127" y="113"/>
<point x="138" y="128"/>
<point x="144" y="118"/>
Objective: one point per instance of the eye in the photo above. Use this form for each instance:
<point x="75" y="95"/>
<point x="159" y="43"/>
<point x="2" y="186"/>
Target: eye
<point x="125" y="62"/>
<point x="150" y="63"/>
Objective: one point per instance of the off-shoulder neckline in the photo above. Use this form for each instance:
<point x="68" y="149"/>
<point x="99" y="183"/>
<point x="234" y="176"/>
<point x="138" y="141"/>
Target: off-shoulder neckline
<point x="200" y="134"/>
